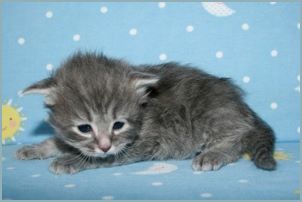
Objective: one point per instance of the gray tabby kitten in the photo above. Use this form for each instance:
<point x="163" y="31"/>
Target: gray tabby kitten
<point x="107" y="112"/>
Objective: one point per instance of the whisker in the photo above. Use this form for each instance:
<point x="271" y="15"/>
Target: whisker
<point x="73" y="159"/>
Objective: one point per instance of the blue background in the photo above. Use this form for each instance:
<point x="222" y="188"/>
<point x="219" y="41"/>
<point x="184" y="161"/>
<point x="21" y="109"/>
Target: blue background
<point x="159" y="30"/>
<point x="246" y="53"/>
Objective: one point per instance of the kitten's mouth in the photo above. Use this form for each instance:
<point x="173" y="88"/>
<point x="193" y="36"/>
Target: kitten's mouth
<point x="99" y="154"/>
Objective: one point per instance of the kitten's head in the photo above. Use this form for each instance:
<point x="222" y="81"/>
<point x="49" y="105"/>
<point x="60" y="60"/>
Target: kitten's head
<point x="96" y="103"/>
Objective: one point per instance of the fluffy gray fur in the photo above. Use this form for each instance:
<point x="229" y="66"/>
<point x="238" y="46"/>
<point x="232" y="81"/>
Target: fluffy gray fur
<point x="171" y="112"/>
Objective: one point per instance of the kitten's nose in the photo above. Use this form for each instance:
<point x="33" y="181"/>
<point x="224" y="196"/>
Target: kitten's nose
<point x="105" y="148"/>
<point x="104" y="143"/>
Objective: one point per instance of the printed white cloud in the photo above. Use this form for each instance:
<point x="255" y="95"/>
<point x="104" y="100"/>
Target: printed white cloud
<point x="158" y="168"/>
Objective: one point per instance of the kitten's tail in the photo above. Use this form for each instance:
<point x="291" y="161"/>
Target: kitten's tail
<point x="260" y="146"/>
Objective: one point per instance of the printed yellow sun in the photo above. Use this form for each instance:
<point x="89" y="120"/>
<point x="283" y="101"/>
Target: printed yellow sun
<point x="11" y="121"/>
<point x="278" y="155"/>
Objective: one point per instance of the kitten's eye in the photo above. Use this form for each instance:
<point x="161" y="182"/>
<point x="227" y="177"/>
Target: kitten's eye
<point x="118" y="125"/>
<point x="85" y="128"/>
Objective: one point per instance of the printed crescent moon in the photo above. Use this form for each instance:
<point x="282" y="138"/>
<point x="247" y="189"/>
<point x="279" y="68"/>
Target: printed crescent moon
<point x="218" y="9"/>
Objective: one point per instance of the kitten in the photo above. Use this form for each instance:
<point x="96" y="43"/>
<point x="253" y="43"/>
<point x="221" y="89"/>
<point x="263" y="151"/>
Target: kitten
<point x="107" y="112"/>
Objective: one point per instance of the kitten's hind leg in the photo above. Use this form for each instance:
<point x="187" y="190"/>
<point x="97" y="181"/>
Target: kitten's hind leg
<point x="260" y="145"/>
<point x="215" y="158"/>
<point x="46" y="149"/>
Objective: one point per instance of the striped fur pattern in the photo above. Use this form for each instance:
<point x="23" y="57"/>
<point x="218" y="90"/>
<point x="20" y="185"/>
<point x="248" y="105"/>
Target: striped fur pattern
<point x="168" y="111"/>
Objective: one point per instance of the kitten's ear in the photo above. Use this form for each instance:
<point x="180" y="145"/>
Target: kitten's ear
<point x="45" y="87"/>
<point x="143" y="81"/>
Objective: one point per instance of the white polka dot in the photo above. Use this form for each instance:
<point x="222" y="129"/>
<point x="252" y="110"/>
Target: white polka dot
<point x="133" y="31"/>
<point x="103" y="9"/>
<point x="297" y="161"/>
<point x="35" y="175"/>
<point x="274" y="53"/>
<point x="117" y="174"/>
<point x="298" y="25"/>
<point x="49" y="67"/>
<point x="197" y="172"/>
<point x="20" y="93"/>
<point x="231" y="164"/>
<point x="298" y="77"/>
<point x="107" y="197"/>
<point x="243" y="181"/>
<point x="274" y="105"/>
<point x="46" y="119"/>
<point x="298" y="130"/>
<point x="190" y="28"/>
<point x="297" y="89"/>
<point x="245" y="26"/>
<point x="3" y="158"/>
<point x="161" y="4"/>
<point x="219" y="54"/>
<point x="69" y="185"/>
<point x="163" y="56"/>
<point x="206" y="195"/>
<point x="156" y="184"/>
<point x="76" y="37"/>
<point x="246" y="79"/>
<point x="49" y="14"/>
<point x="273" y="3"/>
<point x="21" y="41"/>
<point x="10" y="168"/>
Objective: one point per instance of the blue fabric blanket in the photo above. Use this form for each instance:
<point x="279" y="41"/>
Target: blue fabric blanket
<point x="155" y="180"/>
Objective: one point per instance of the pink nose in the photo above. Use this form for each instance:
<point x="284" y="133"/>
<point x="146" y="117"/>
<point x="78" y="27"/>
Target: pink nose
<point x="104" y="143"/>
<point x="105" y="148"/>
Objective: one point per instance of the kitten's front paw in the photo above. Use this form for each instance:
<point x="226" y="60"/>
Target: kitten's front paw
<point x="208" y="161"/>
<point x="64" y="165"/>
<point x="30" y="152"/>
